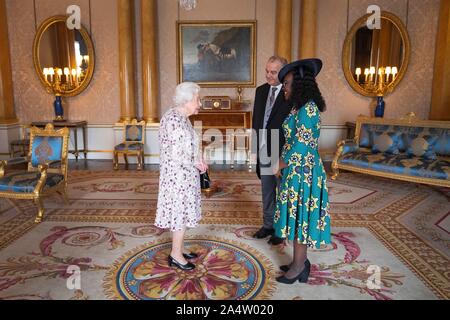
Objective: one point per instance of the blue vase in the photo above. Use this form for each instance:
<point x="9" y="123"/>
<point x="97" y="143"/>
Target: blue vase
<point x="59" y="112"/>
<point x="379" y="109"/>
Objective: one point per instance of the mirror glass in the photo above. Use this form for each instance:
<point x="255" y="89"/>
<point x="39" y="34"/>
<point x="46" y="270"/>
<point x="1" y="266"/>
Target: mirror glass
<point x="64" y="58"/>
<point x="375" y="60"/>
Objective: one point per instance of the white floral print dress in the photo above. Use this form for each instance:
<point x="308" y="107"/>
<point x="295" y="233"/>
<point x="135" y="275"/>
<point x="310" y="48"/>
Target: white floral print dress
<point x="179" y="195"/>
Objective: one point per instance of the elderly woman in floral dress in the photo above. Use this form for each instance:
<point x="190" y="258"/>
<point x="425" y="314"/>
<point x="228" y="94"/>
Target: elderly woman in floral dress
<point x="179" y="195"/>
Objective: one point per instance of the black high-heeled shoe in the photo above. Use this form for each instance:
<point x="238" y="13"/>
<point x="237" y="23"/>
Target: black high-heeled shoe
<point x="187" y="266"/>
<point x="305" y="273"/>
<point x="285" y="268"/>
<point x="190" y="255"/>
<point x="302" y="276"/>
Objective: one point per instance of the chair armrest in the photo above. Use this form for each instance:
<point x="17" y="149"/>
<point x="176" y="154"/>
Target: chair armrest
<point x="17" y="160"/>
<point x="342" y="142"/>
<point x="343" y="147"/>
<point x="348" y="147"/>
<point x="13" y="161"/>
<point x="54" y="164"/>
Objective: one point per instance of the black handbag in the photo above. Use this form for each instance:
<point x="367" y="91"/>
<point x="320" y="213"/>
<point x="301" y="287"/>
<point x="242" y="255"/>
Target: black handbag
<point x="205" y="181"/>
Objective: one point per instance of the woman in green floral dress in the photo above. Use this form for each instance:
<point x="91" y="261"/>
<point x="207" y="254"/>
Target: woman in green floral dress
<point x="302" y="212"/>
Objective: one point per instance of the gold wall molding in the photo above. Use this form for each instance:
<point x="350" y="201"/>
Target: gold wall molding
<point x="126" y="60"/>
<point x="308" y="29"/>
<point x="7" y="113"/>
<point x="283" y="26"/>
<point x="150" y="80"/>
<point x="440" y="99"/>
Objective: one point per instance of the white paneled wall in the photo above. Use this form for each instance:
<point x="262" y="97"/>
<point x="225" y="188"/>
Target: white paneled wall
<point x="101" y="139"/>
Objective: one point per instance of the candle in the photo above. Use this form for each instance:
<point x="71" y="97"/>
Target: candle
<point x="380" y="78"/>
<point x="74" y="75"/>
<point x="51" y="72"/>
<point x="45" y="72"/>
<point x="388" y="72"/>
<point x="59" y="74"/>
<point x="372" y="72"/>
<point x="366" y="73"/>
<point x="358" y="73"/>
<point x="394" y="72"/>
<point x="79" y="74"/>
<point x="66" y="73"/>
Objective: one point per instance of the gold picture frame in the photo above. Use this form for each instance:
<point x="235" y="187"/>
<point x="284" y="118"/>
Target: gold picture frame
<point x="217" y="53"/>
<point x="348" y="51"/>
<point x="39" y="65"/>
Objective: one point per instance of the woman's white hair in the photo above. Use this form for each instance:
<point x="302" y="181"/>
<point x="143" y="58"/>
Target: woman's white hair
<point x="184" y="93"/>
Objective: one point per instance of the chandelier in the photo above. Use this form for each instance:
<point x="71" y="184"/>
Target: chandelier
<point x="188" y="4"/>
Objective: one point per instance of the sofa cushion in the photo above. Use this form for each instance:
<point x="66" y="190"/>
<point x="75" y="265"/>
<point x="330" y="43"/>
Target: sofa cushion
<point x="399" y="164"/>
<point x="129" y="146"/>
<point x="442" y="147"/>
<point x="386" y="142"/>
<point x="422" y="146"/>
<point x="26" y="182"/>
<point x="365" y="136"/>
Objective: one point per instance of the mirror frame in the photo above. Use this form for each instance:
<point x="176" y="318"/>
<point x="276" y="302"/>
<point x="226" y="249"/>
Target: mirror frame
<point x="346" y="51"/>
<point x="90" y="47"/>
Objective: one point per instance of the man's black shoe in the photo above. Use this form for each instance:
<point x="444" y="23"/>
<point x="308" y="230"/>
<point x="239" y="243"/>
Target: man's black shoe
<point x="275" y="240"/>
<point x="263" y="233"/>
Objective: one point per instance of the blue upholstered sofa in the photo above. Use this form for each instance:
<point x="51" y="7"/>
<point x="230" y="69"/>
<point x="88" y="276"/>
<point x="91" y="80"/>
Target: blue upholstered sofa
<point x="406" y="149"/>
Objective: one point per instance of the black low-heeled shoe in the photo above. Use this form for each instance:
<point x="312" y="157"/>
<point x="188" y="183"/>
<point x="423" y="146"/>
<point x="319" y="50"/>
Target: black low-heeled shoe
<point x="302" y="276"/>
<point x="285" y="268"/>
<point x="187" y="266"/>
<point x="190" y="255"/>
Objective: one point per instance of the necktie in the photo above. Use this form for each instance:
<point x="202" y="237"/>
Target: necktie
<point x="272" y="97"/>
<point x="269" y="106"/>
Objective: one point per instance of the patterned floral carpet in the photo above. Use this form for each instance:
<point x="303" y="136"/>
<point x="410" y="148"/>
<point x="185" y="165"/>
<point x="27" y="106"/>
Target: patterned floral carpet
<point x="391" y="240"/>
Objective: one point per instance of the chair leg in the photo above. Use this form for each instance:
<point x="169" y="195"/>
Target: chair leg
<point x="139" y="159"/>
<point x="40" y="205"/>
<point x="64" y="195"/>
<point x="232" y="158"/>
<point x="335" y="173"/>
<point x="125" y="157"/>
<point x="116" y="161"/>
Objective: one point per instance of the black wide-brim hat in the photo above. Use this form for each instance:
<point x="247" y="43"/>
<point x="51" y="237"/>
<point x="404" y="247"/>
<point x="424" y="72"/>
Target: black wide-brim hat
<point x="314" y="65"/>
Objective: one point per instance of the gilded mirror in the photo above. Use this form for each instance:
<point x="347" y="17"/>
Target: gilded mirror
<point x="375" y="61"/>
<point x="63" y="58"/>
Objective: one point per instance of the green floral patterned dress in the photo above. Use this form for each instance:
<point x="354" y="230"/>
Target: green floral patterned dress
<point x="302" y="210"/>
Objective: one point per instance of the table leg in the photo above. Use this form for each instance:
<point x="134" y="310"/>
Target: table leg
<point x="84" y="143"/>
<point x="76" y="143"/>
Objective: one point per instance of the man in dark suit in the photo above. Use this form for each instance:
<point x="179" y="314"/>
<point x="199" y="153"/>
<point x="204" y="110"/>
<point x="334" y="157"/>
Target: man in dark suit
<point x="269" y="112"/>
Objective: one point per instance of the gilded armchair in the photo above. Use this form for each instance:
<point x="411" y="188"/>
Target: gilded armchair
<point x="133" y="144"/>
<point x="46" y="171"/>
